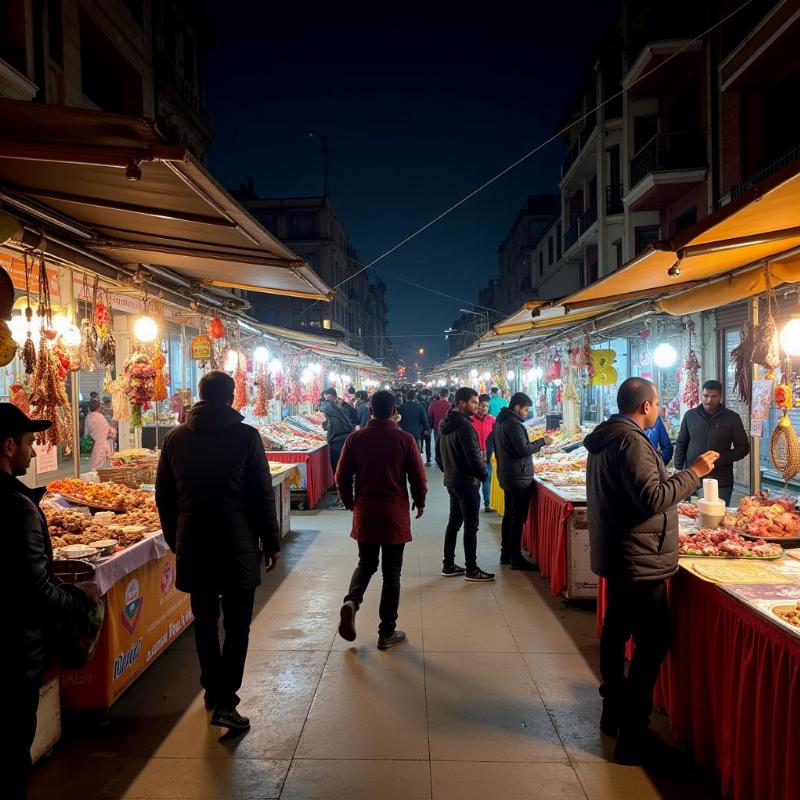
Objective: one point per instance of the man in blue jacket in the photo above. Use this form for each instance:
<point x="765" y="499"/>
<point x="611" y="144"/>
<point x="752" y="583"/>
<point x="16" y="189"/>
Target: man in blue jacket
<point x="659" y="438"/>
<point x="414" y="418"/>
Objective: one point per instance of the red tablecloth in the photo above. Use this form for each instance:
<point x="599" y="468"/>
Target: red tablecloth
<point x="731" y="688"/>
<point x="545" y="535"/>
<point x="319" y="473"/>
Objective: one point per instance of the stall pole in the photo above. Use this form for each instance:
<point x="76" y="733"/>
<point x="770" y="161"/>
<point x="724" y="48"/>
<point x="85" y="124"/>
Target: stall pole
<point x="755" y="441"/>
<point x="76" y="434"/>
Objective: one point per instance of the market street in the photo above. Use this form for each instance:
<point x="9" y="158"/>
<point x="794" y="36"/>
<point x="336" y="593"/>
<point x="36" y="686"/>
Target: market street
<point x="495" y="694"/>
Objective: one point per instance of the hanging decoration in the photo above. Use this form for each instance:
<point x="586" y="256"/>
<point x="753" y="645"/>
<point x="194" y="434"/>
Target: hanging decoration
<point x="28" y="349"/>
<point x="216" y="330"/>
<point x="262" y="392"/>
<point x="689" y="372"/>
<point x="88" y="330"/>
<point x="49" y="399"/>
<point x="19" y="398"/>
<point x="742" y="363"/>
<point x="587" y="361"/>
<point x="200" y="348"/>
<point x="139" y="381"/>
<point x="158" y="363"/>
<point x="766" y="346"/>
<point x="120" y="405"/>
<point x="603" y="363"/>
<point x="240" y="385"/>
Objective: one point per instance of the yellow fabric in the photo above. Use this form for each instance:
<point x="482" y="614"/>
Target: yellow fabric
<point x="553" y="322"/>
<point x="497" y="499"/>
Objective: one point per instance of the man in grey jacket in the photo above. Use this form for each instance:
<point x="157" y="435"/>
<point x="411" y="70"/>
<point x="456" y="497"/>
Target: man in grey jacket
<point x="633" y="530"/>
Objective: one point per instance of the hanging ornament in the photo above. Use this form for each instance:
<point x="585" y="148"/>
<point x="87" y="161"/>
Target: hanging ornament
<point x="689" y="372"/>
<point x="158" y="363"/>
<point x="19" y="398"/>
<point x="48" y="397"/>
<point x="262" y="390"/>
<point x="139" y="381"/>
<point x="239" y="386"/>
<point x="216" y="330"/>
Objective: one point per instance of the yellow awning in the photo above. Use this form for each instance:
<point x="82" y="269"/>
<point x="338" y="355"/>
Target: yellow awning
<point x="761" y="225"/>
<point x="551" y="317"/>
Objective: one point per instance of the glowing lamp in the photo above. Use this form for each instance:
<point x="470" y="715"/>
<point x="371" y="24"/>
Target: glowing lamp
<point x="145" y="329"/>
<point x="790" y="337"/>
<point x="19" y="329"/>
<point x="665" y="355"/>
<point x="473" y="373"/>
<point x="231" y="361"/>
<point x="510" y="375"/>
<point x="261" y="355"/>
<point x="275" y="366"/>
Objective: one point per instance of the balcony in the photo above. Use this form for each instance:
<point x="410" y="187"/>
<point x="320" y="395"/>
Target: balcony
<point x="784" y="159"/>
<point x="571" y="235"/>
<point x="665" y="168"/>
<point x="614" y="204"/>
<point x="171" y="77"/>
<point x="588" y="218"/>
<point x="579" y="144"/>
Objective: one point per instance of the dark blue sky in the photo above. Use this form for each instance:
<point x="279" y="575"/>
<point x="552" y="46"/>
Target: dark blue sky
<point x="423" y="102"/>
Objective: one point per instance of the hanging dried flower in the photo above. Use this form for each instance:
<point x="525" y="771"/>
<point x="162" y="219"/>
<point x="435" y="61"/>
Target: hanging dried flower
<point x="160" y="383"/>
<point x="139" y="381"/>
<point x="240" y="387"/>
<point x="49" y="399"/>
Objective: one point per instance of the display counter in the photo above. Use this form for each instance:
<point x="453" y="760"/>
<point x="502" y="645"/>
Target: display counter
<point x="284" y="476"/>
<point x="316" y="474"/>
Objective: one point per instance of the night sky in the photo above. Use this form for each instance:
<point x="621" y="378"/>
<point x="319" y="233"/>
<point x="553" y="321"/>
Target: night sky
<point x="422" y="105"/>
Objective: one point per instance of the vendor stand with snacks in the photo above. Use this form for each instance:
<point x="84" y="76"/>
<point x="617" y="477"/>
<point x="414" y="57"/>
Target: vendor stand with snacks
<point x="284" y="476"/>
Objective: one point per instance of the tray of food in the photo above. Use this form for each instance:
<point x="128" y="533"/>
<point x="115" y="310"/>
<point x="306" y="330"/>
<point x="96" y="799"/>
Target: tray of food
<point x="101" y="496"/>
<point x="788" y="613"/>
<point x="772" y="519"/>
<point x="725" y="543"/>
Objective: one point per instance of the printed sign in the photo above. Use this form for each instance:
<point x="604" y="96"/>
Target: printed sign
<point x="759" y="411"/>
<point x="15" y="267"/>
<point x="46" y="458"/>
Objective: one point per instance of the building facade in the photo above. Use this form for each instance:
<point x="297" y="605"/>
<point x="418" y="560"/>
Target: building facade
<point x="137" y="57"/>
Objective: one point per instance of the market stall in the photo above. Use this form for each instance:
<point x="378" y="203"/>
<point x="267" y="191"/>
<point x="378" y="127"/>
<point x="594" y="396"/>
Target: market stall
<point x="284" y="476"/>
<point x="316" y="473"/>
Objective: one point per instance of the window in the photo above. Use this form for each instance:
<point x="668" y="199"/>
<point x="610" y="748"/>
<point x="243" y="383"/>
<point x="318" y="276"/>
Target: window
<point x="303" y="226"/>
<point x="550" y="250"/>
<point x="645" y="235"/>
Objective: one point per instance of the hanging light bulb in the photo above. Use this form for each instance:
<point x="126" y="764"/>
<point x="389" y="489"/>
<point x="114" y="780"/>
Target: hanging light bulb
<point x="145" y="329"/>
<point x="538" y="373"/>
<point x="387" y="387"/>
<point x="231" y="361"/>
<point x="790" y="337"/>
<point x="487" y="376"/>
<point x="60" y="324"/>
<point x="510" y="375"/>
<point x="261" y="355"/>
<point x="275" y="366"/>
<point x="665" y="355"/>
<point x="19" y="329"/>
<point x="531" y="376"/>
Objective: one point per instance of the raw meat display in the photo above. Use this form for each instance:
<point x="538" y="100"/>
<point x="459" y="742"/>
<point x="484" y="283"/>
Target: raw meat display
<point x="768" y="517"/>
<point x="724" y="543"/>
<point x="688" y="510"/>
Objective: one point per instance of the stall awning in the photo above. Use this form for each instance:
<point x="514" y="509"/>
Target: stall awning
<point x="75" y="165"/>
<point x="546" y="318"/>
<point x="762" y="226"/>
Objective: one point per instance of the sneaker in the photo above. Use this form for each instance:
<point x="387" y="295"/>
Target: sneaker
<point x="347" y="621"/>
<point x="479" y="575"/>
<point x="232" y="720"/>
<point x="609" y="720"/>
<point x="524" y="566"/>
<point x="211" y="703"/>
<point x="427" y="463"/>
<point x="452" y="569"/>
<point x="385" y="642"/>
<point x="487" y="508"/>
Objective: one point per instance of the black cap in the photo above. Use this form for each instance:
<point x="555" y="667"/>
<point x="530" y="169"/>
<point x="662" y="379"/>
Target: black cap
<point x="14" y="421"/>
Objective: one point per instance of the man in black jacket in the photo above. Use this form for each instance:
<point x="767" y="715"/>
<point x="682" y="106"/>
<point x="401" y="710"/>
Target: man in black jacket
<point x="217" y="507"/>
<point x="711" y="426"/>
<point x="458" y="455"/>
<point x="35" y="603"/>
<point x="338" y="425"/>
<point x="513" y="452"/>
<point x="414" y="418"/>
<point x="633" y="531"/>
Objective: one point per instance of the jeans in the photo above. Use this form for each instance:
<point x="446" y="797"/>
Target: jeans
<point x="465" y="505"/>
<point x="391" y="567"/>
<point x="221" y="671"/>
<point x="517" y="502"/>
<point x="426" y="441"/>
<point x="15" y="761"/>
<point x="638" y="609"/>
<point x="336" y="451"/>
<point x="486" y="486"/>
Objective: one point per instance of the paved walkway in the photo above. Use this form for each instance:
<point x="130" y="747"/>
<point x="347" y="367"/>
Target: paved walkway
<point x="493" y="696"/>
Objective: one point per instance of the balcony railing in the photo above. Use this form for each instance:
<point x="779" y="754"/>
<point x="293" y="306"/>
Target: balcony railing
<point x="669" y="151"/>
<point x="614" y="199"/>
<point x="578" y="144"/>
<point x="571" y="235"/>
<point x="171" y="76"/>
<point x="785" y="158"/>
<point x="588" y="218"/>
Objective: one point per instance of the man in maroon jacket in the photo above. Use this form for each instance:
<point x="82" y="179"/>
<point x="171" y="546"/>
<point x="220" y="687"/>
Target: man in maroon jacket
<point x="380" y="458"/>
<point x="437" y="411"/>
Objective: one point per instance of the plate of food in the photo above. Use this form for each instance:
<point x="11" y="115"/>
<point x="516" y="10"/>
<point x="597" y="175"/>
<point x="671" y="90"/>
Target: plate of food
<point x="725" y="543"/>
<point x="788" y="613"/>
<point x="772" y="519"/>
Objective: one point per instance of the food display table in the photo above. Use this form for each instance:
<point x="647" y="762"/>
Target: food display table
<point x="145" y="613"/>
<point x="282" y="479"/>
<point x="316" y="474"/>
<point x="557" y="537"/>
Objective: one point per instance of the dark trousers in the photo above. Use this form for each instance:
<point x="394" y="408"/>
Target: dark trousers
<point x="465" y="506"/>
<point x="426" y="442"/>
<point x="336" y="451"/>
<point x="517" y="502"/>
<point x="391" y="557"/>
<point x="637" y="609"/>
<point x="222" y="669"/>
<point x="15" y="761"/>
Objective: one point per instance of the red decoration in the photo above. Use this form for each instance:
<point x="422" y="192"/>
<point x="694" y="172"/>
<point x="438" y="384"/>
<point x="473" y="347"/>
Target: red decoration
<point x="216" y="330"/>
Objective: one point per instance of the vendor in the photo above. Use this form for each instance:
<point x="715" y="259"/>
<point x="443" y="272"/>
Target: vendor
<point x="711" y="426"/>
<point x="97" y="428"/>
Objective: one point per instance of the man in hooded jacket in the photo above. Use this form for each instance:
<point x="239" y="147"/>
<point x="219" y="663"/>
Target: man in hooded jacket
<point x="217" y="508"/>
<point x="338" y="425"/>
<point x="633" y="531"/>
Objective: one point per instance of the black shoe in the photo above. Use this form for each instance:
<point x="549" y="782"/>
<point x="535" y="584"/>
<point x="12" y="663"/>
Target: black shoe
<point x="211" y="703"/>
<point x="487" y="508"/>
<point x="232" y="720"/>
<point x="524" y="566"/>
<point x="385" y="642"/>
<point x="347" y="621"/>
<point x="451" y="570"/>
<point x="478" y="575"/>
<point x="636" y="747"/>
<point x="504" y="560"/>
<point x="609" y="720"/>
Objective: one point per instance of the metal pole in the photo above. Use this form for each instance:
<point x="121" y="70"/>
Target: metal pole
<point x="755" y="441"/>
<point x="76" y="435"/>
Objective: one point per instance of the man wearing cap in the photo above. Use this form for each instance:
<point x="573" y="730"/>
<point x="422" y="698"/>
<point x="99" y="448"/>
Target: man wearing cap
<point x="38" y="604"/>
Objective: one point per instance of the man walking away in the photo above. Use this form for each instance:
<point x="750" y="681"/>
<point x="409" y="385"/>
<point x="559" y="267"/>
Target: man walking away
<point x="337" y="424"/>
<point x="483" y="422"/>
<point x="413" y="418"/>
<point x="514" y="455"/>
<point x="380" y="459"/>
<point x="497" y="402"/>
<point x="425" y="402"/>
<point x="437" y="411"/>
<point x="459" y="457"/>
<point x="36" y="603"/>
<point x="362" y="408"/>
<point x="217" y="507"/>
<point x="633" y="530"/>
<point x="711" y="426"/>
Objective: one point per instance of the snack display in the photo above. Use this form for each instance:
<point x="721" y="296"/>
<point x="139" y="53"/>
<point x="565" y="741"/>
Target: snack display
<point x="147" y="518"/>
<point x="789" y="614"/>
<point x="286" y="435"/>
<point x="768" y="517"/>
<point x="724" y="543"/>
<point x="108" y="496"/>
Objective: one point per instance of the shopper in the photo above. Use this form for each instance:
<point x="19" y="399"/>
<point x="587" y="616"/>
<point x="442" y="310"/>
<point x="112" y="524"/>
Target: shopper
<point x="347" y="404"/>
<point x="217" y="507"/>
<point x="633" y="530"/>
<point x="362" y="408"/>
<point x="514" y="455"/>
<point x="437" y="411"/>
<point x="36" y="604"/>
<point x="337" y="424"/>
<point x="483" y="422"/>
<point x="711" y="426"/>
<point x="458" y="455"/>
<point x="659" y="438"/>
<point x="413" y="418"/>
<point x="380" y="459"/>
<point x="425" y="402"/>
<point x="497" y="402"/>
<point x="98" y="429"/>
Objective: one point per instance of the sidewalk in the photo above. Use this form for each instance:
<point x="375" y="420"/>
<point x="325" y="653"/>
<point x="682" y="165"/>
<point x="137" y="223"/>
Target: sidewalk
<point x="493" y="696"/>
